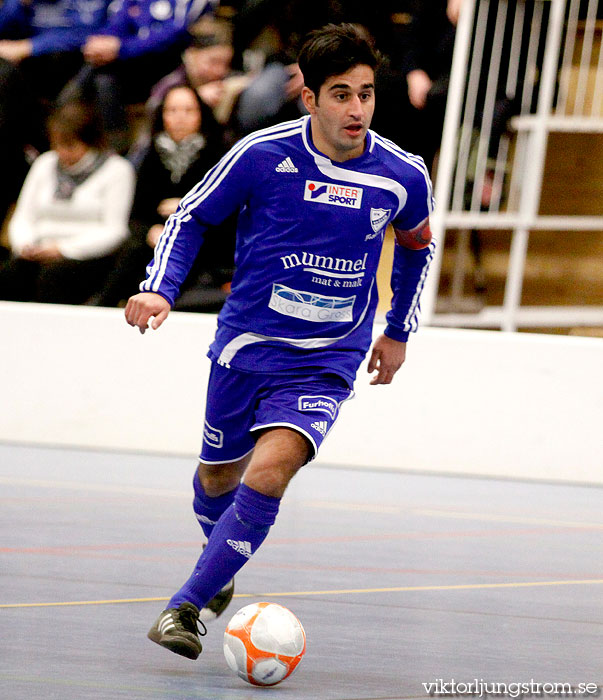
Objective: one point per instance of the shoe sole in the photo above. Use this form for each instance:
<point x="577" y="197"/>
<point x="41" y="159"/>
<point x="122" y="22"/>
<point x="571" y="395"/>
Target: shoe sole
<point x="179" y="646"/>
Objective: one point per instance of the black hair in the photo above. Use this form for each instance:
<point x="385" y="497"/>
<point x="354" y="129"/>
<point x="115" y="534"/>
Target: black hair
<point x="335" y="49"/>
<point x="78" y="121"/>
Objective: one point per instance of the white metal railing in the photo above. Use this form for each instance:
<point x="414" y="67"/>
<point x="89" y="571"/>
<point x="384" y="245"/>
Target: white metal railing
<point x="523" y="54"/>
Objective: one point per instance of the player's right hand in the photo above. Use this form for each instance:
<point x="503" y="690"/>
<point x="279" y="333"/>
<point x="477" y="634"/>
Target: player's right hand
<point x="141" y="307"/>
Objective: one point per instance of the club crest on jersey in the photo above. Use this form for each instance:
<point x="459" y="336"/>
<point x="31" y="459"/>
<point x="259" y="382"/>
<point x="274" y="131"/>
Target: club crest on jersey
<point x="337" y="195"/>
<point x="379" y="218"/>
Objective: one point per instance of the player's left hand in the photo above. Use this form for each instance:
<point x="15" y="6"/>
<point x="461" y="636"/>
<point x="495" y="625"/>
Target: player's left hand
<point x="387" y="357"/>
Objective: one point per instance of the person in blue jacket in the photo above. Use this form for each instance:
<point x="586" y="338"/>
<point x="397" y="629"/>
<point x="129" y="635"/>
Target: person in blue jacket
<point x="314" y="197"/>
<point x="40" y="44"/>
<point x="40" y="41"/>
<point x="41" y="27"/>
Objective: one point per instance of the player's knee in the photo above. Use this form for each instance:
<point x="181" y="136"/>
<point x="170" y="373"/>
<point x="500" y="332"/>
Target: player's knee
<point x="271" y="478"/>
<point x="279" y="453"/>
<point x="218" y="479"/>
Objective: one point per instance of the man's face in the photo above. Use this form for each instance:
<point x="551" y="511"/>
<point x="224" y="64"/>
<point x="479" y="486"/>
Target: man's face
<point x="342" y="113"/>
<point x="204" y="65"/>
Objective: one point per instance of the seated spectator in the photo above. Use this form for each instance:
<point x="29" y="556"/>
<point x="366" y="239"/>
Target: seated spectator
<point x="206" y="66"/>
<point x="39" y="52"/>
<point x="44" y="37"/>
<point x="186" y="143"/>
<point x="141" y="42"/>
<point x="281" y="26"/>
<point x="71" y="215"/>
<point x="206" y="63"/>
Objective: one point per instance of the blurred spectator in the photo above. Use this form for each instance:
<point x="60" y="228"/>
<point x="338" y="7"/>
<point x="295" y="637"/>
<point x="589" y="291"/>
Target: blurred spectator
<point x="426" y="64"/>
<point x="71" y="214"/>
<point x="43" y="38"/>
<point x="50" y="29"/>
<point x="281" y="26"/>
<point x="186" y="143"/>
<point x="206" y="64"/>
<point x="39" y="52"/>
<point x="141" y="42"/>
<point x="20" y="131"/>
<point x="427" y="61"/>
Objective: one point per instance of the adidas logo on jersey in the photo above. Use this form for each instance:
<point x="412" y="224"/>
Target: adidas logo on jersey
<point x="286" y="166"/>
<point x="320" y="426"/>
<point x="243" y="548"/>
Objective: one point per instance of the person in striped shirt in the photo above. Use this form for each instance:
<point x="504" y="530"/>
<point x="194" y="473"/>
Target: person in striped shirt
<point x="314" y="197"/>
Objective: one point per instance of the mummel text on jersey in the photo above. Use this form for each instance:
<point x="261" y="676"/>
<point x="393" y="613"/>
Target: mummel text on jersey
<point x="309" y="237"/>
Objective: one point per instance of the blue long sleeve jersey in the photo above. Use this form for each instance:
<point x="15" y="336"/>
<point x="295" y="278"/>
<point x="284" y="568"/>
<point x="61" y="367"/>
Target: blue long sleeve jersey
<point x="145" y="26"/>
<point x="52" y="25"/>
<point x="309" y="237"/>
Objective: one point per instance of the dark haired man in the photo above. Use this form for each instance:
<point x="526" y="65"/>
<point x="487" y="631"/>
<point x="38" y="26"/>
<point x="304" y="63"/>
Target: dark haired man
<point x="314" y="198"/>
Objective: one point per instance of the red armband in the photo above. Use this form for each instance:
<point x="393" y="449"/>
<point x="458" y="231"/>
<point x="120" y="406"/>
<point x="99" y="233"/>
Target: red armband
<point x="416" y="239"/>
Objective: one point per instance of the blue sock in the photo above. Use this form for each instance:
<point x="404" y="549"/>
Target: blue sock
<point x="236" y="536"/>
<point x="208" y="509"/>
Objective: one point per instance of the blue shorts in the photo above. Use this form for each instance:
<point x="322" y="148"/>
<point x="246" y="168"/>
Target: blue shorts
<point x="241" y="403"/>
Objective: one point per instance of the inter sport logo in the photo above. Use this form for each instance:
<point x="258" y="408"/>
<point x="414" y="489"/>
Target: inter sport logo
<point x="337" y="195"/>
<point x="310" y="306"/>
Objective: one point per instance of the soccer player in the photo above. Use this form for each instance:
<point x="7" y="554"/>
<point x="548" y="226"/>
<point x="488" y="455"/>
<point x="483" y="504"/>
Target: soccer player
<point x="314" y="198"/>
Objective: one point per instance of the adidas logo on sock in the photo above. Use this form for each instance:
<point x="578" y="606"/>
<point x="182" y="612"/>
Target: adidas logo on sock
<point x="286" y="166"/>
<point x="243" y="548"/>
<point x="206" y="520"/>
<point x="320" y="426"/>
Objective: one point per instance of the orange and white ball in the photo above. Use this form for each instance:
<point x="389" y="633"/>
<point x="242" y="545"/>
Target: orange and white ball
<point x="264" y="643"/>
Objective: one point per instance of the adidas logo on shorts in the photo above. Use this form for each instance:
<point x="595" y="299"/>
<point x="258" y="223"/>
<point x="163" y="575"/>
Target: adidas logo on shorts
<point x="320" y="426"/>
<point x="286" y="166"/>
<point x="243" y="548"/>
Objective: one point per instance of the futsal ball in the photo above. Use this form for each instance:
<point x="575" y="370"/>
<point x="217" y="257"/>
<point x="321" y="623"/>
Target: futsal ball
<point x="264" y="643"/>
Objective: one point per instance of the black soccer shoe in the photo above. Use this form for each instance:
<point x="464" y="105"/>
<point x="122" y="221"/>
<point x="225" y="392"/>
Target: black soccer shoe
<point x="218" y="604"/>
<point x="176" y="629"/>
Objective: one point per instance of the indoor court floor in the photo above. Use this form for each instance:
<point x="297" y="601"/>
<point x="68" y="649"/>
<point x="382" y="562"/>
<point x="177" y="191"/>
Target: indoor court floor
<point x="400" y="580"/>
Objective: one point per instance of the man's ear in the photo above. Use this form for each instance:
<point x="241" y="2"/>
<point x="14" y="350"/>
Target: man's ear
<point x="309" y="99"/>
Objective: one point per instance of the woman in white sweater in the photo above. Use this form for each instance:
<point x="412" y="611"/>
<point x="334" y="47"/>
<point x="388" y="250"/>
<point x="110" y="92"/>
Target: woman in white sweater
<point x="72" y="214"/>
